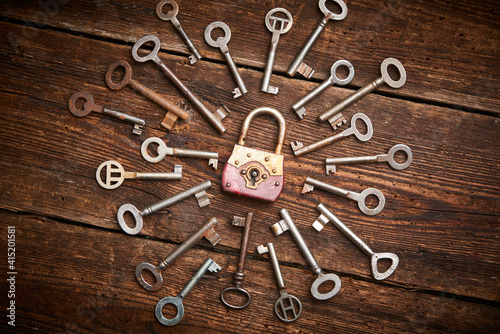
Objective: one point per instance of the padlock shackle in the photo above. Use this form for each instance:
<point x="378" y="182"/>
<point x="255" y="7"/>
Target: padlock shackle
<point x="269" y="111"/>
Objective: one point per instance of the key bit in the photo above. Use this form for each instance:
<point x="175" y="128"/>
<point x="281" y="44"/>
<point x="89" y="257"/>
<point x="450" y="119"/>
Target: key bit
<point x="337" y="120"/>
<point x="307" y="188"/>
<point x="214" y="267"/>
<point x="221" y="113"/>
<point x="296" y="145"/>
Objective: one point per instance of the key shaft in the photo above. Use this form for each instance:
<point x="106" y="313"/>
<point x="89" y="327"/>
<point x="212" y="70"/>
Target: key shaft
<point x="268" y="71"/>
<point x="241" y="89"/>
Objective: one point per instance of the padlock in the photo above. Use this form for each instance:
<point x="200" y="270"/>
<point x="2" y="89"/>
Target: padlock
<point x="252" y="172"/>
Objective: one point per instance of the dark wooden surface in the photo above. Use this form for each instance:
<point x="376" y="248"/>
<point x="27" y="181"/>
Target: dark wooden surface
<point x="75" y="266"/>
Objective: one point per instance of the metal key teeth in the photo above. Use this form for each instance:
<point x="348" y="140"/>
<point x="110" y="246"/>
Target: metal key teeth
<point x="305" y="70"/>
<point x="279" y="228"/>
<point x="320" y="223"/>
<point x="301" y="113"/>
<point x="212" y="236"/>
<point x="307" y="188"/>
<point x="296" y="145"/>
<point x="261" y="249"/>
<point x="137" y="129"/>
<point x="192" y="59"/>
<point x="330" y="169"/>
<point x="213" y="163"/>
<point x="337" y="120"/>
<point x="202" y="198"/>
<point x="214" y="267"/>
<point x="221" y="113"/>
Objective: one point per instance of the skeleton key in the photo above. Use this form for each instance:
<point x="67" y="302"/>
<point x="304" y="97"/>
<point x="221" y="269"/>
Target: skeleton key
<point x="89" y="106"/>
<point x="221" y="43"/>
<point x="299" y="149"/>
<point x="173" y="111"/>
<point x="207" y="231"/>
<point x="360" y="198"/>
<point x="198" y="191"/>
<point x="209" y="265"/>
<point x="213" y="118"/>
<point x="239" y="275"/>
<point x="298" y="107"/>
<point x="172" y="17"/>
<point x="298" y="64"/>
<point x="327" y="215"/>
<point x="389" y="158"/>
<point x="370" y="87"/>
<point x="294" y="306"/>
<point x="277" y="26"/>
<point x="288" y="224"/>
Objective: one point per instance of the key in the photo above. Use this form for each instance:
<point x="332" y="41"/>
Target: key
<point x="288" y="224"/>
<point x="277" y="26"/>
<point x="199" y="191"/>
<point x="163" y="151"/>
<point x="173" y="111"/>
<point x="90" y="106"/>
<point x="111" y="181"/>
<point x="370" y="87"/>
<point x="288" y="308"/>
<point x="298" y="107"/>
<point x="239" y="275"/>
<point x="327" y="215"/>
<point x="215" y="119"/>
<point x="207" y="231"/>
<point x="389" y="158"/>
<point x="221" y="43"/>
<point x="172" y="17"/>
<point x="209" y="265"/>
<point x="360" y="198"/>
<point x="299" y="149"/>
<point x="298" y="64"/>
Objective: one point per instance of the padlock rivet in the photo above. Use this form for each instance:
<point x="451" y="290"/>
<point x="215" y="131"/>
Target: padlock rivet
<point x="249" y="155"/>
<point x="229" y="184"/>
<point x="267" y="159"/>
<point x="243" y="172"/>
<point x="264" y="176"/>
<point x="276" y="184"/>
<point x="236" y="162"/>
<point x="274" y="170"/>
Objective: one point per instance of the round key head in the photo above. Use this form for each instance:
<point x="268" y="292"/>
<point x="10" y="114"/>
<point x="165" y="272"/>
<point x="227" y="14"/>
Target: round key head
<point x="175" y="301"/>
<point x="137" y="217"/>
<point x="88" y="105"/>
<point x="377" y="256"/>
<point x="127" y="76"/>
<point x="237" y="290"/>
<point x="329" y="14"/>
<point x="277" y="23"/>
<point x="160" y="150"/>
<point x="221" y="41"/>
<point x="333" y="72"/>
<point x="288" y="308"/>
<point x="322" y="278"/>
<point x="153" y="55"/>
<point x="385" y="74"/>
<point x="392" y="152"/>
<point x="170" y="14"/>
<point x="362" y="201"/>
<point x="111" y="168"/>
<point x="368" y="123"/>
<point x="156" y="273"/>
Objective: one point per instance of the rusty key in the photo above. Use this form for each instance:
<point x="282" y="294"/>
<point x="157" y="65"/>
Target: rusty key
<point x="239" y="275"/>
<point x="173" y="110"/>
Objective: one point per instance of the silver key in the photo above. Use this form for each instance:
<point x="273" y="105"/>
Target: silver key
<point x="199" y="191"/>
<point x="298" y="64"/>
<point x="389" y="158"/>
<point x="163" y="151"/>
<point x="221" y="43"/>
<point x="208" y="265"/>
<point x="327" y="215"/>
<point x="215" y="119"/>
<point x="360" y="198"/>
<point x="277" y="26"/>
<point x="207" y="231"/>
<point x="172" y="17"/>
<point x="90" y="106"/>
<point x="299" y="149"/>
<point x="288" y="224"/>
<point x="113" y="181"/>
<point x="298" y="107"/>
<point x="370" y="87"/>
<point x="288" y="308"/>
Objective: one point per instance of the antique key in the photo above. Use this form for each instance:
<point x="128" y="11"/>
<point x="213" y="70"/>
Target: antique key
<point x="370" y="87"/>
<point x="298" y="64"/>
<point x="293" y="305"/>
<point x="299" y="149"/>
<point x="215" y="119"/>
<point x="298" y="107"/>
<point x="389" y="158"/>
<point x="199" y="191"/>
<point x="163" y="151"/>
<point x="172" y="17"/>
<point x="239" y="275"/>
<point x="207" y="231"/>
<point x="327" y="215"/>
<point x="288" y="224"/>
<point x="89" y="106"/>
<point x="360" y="198"/>
<point x="221" y="42"/>
<point x="111" y="181"/>
<point x="173" y="111"/>
<point x="208" y="265"/>
<point x="277" y="26"/>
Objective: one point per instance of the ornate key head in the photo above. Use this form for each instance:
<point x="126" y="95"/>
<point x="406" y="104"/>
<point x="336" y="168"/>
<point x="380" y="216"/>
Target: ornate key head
<point x="113" y="174"/>
<point x="277" y="23"/>
<point x="288" y="308"/>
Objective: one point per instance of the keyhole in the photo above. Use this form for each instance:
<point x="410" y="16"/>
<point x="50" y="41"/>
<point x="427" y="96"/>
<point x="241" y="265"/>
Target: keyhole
<point x="254" y="176"/>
